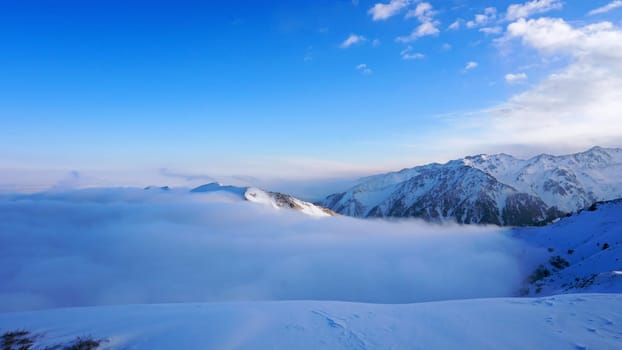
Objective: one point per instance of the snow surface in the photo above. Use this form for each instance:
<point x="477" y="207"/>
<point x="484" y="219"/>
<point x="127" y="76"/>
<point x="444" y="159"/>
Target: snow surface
<point x="586" y="321"/>
<point x="591" y="243"/>
<point x="257" y="195"/>
<point x="270" y="199"/>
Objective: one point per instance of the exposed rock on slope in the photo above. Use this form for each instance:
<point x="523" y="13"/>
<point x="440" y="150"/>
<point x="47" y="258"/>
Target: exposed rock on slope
<point x="583" y="252"/>
<point x="497" y="189"/>
<point x="274" y="199"/>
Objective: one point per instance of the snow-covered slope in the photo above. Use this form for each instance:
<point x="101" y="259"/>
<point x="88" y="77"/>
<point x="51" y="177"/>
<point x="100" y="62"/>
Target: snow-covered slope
<point x="497" y="189"/>
<point x="274" y="199"/>
<point x="586" y="321"/>
<point x="583" y="252"/>
<point x="568" y="182"/>
<point x="464" y="193"/>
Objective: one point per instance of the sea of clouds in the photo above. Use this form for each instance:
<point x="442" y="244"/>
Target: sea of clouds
<point x="119" y="246"/>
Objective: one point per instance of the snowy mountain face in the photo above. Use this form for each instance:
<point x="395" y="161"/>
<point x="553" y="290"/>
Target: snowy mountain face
<point x="569" y="182"/>
<point x="496" y="189"/>
<point x="274" y="199"/>
<point x="583" y="252"/>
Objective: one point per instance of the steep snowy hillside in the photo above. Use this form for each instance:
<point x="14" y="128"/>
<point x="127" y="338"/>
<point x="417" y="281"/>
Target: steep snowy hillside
<point x="274" y="199"/>
<point x="464" y="193"/>
<point x="587" y="321"/>
<point x="584" y="252"/>
<point x="496" y="189"/>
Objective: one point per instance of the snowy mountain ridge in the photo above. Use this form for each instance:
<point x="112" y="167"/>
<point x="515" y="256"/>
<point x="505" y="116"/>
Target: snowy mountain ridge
<point x="274" y="199"/>
<point x="494" y="189"/>
<point x="568" y="182"/>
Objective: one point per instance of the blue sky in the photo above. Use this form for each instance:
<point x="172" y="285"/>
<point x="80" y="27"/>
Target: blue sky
<point x="122" y="89"/>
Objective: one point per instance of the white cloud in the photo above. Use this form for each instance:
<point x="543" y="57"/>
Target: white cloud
<point x="577" y="105"/>
<point x="424" y="29"/>
<point x="491" y="30"/>
<point x="513" y="78"/>
<point x="610" y="6"/>
<point x="555" y="36"/>
<point x="530" y="8"/>
<point x="353" y="39"/>
<point x="382" y="11"/>
<point x="424" y="12"/>
<point x="489" y="15"/>
<point x="407" y="54"/>
<point x="375" y="42"/>
<point x="470" y="65"/>
<point x="446" y="46"/>
<point x="455" y="25"/>
<point x="364" y="68"/>
<point x="121" y="246"/>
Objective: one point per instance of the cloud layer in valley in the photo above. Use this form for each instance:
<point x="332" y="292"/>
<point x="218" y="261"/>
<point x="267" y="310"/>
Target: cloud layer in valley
<point x="117" y="246"/>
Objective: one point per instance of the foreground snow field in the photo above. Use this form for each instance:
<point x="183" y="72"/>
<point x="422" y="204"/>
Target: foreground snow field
<point x="573" y="321"/>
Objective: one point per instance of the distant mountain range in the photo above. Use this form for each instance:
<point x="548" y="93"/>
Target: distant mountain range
<point x="488" y="189"/>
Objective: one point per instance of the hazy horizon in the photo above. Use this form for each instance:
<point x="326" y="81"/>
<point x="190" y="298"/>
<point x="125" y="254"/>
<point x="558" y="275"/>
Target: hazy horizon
<point x="312" y="188"/>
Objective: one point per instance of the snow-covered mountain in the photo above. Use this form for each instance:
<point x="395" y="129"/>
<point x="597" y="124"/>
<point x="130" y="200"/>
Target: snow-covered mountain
<point x="583" y="252"/>
<point x="496" y="189"/>
<point x="569" y="182"/>
<point x="275" y="199"/>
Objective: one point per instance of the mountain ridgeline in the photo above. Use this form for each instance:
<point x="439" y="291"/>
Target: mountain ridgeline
<point x="274" y="199"/>
<point x="488" y="189"/>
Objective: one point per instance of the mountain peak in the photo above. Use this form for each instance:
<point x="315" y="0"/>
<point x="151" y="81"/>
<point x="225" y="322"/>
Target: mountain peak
<point x="523" y="190"/>
<point x="274" y="199"/>
<point x="216" y="186"/>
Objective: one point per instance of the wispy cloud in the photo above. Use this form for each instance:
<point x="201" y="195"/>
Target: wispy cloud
<point x="424" y="29"/>
<point x="514" y="78"/>
<point x="491" y="30"/>
<point x="610" y="6"/>
<point x="455" y="25"/>
<point x="188" y="177"/>
<point x="352" y="39"/>
<point x="424" y="12"/>
<point x="363" y="68"/>
<point x="530" y="8"/>
<point x="407" y="54"/>
<point x="481" y="19"/>
<point x="383" y="11"/>
<point x="470" y="65"/>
